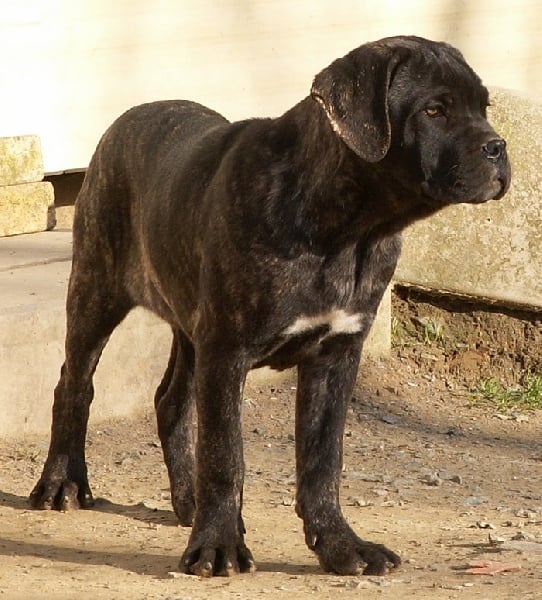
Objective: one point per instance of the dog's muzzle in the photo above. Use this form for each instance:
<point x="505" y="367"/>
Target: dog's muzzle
<point x="495" y="151"/>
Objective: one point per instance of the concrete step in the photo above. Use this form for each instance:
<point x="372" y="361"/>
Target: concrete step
<point x="34" y="272"/>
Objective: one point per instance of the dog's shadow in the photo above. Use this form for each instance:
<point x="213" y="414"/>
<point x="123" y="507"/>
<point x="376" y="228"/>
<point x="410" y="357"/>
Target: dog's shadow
<point x="13" y="501"/>
<point x="155" y="565"/>
<point x="138" y="512"/>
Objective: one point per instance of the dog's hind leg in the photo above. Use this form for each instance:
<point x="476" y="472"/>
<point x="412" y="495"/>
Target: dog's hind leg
<point x="93" y="312"/>
<point x="174" y="403"/>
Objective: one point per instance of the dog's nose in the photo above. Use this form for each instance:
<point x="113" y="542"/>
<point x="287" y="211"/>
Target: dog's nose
<point x="494" y="149"/>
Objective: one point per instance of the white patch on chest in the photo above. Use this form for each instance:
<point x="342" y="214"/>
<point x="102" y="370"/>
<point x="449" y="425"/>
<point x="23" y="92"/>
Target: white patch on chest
<point x="339" y="321"/>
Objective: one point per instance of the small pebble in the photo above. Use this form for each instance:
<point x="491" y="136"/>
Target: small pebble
<point x="475" y="500"/>
<point x="432" y="479"/>
<point x="523" y="535"/>
<point x="178" y="575"/>
<point x="484" y="525"/>
<point x="390" y="419"/>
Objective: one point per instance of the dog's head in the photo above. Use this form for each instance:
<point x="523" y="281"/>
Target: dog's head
<point x="419" y="102"/>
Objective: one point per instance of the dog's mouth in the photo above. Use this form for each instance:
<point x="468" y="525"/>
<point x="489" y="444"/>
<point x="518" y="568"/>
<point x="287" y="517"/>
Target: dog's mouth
<point x="495" y="190"/>
<point x="503" y="188"/>
<point x="452" y="181"/>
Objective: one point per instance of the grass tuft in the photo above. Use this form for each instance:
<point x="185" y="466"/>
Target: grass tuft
<point x="526" y="396"/>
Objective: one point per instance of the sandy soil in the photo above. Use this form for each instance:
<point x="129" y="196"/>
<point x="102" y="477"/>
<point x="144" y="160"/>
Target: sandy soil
<point x="438" y="480"/>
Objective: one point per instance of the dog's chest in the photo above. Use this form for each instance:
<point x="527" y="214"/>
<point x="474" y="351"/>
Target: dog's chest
<point x="336" y="303"/>
<point x="307" y="335"/>
<point x="333" y="322"/>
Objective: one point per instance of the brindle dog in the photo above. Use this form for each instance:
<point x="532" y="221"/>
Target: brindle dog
<point x="264" y="242"/>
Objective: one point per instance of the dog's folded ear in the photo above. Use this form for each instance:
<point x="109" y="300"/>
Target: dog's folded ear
<point x="353" y="91"/>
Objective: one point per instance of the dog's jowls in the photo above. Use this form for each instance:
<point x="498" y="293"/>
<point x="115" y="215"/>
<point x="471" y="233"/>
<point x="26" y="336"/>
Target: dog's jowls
<point x="263" y="242"/>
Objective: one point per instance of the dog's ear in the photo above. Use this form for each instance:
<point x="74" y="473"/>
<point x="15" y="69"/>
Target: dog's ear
<point x="353" y="91"/>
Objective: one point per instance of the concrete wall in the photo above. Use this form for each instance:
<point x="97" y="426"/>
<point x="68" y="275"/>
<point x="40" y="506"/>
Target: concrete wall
<point x="71" y="66"/>
<point x="492" y="251"/>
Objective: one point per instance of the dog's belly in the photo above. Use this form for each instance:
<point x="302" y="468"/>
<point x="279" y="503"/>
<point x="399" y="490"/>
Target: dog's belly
<point x="307" y="335"/>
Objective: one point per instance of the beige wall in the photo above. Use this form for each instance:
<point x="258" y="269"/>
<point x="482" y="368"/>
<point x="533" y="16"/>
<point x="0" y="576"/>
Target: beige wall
<point x="69" y="67"/>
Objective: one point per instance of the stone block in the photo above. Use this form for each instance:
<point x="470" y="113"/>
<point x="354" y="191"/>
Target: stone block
<point x="64" y="217"/>
<point x="26" y="208"/>
<point x="20" y="160"/>
<point x="491" y="251"/>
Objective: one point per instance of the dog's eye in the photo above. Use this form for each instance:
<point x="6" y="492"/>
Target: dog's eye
<point x="434" y="111"/>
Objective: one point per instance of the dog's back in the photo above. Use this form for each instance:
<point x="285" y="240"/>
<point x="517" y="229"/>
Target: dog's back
<point x="145" y="154"/>
<point x="141" y="148"/>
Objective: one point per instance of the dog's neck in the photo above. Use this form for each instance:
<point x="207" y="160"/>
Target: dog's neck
<point x="341" y="202"/>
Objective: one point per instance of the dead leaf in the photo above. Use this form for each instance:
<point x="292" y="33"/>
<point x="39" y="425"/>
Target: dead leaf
<point x="490" y="567"/>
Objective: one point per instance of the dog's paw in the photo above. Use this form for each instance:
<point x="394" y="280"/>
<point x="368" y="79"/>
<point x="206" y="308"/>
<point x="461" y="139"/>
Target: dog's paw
<point x="341" y="551"/>
<point x="61" y="495"/>
<point x="207" y="559"/>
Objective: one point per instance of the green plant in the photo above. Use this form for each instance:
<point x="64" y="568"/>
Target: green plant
<point x="525" y="396"/>
<point x="533" y="389"/>
<point x="432" y="331"/>
<point x="401" y="335"/>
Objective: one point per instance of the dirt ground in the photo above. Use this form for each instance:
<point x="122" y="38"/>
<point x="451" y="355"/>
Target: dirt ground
<point x="442" y="481"/>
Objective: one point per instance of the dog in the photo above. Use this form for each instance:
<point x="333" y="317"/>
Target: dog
<point x="263" y="242"/>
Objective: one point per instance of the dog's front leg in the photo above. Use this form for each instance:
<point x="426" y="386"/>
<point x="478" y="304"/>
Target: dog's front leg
<point x="324" y="389"/>
<point x="216" y="545"/>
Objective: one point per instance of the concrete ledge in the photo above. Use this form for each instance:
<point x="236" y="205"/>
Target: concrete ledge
<point x="32" y="294"/>
<point x="493" y="251"/>
<point x="33" y="351"/>
<point x="26" y="208"/>
<point x="34" y="272"/>
<point x="20" y="160"/>
<point x="378" y="342"/>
